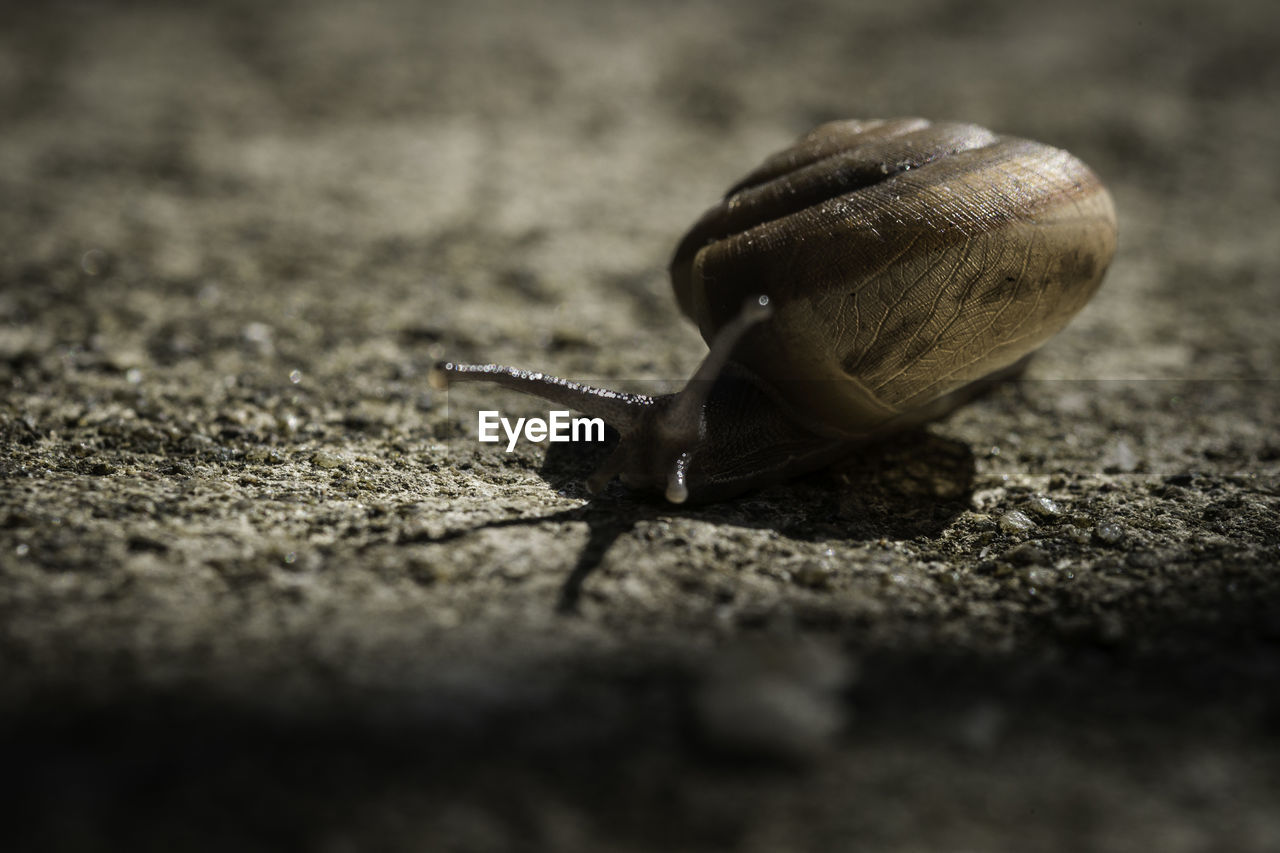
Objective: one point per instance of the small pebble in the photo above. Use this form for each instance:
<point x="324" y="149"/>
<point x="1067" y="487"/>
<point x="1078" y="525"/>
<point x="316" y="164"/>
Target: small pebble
<point x="1016" y="521"/>
<point x="324" y="459"/>
<point x="1027" y="554"/>
<point x="1078" y="536"/>
<point x="1043" y="506"/>
<point x="813" y="574"/>
<point x="289" y="423"/>
<point x="1108" y="532"/>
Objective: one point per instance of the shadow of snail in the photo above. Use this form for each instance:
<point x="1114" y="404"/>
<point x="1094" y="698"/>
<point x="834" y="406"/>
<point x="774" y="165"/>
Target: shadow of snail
<point x="906" y="486"/>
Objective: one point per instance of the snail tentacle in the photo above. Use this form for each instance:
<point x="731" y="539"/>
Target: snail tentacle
<point x="618" y="409"/>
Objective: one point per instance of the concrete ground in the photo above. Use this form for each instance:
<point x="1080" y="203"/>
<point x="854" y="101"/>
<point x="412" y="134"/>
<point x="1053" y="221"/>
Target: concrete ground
<point x="260" y="588"/>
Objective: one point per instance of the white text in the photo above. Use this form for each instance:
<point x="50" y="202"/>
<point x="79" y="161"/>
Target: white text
<point x="558" y="427"/>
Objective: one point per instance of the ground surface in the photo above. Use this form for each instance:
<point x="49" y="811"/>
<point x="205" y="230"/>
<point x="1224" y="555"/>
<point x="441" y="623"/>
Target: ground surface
<point x="259" y="588"/>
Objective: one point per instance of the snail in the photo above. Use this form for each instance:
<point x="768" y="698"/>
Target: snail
<point x="867" y="279"/>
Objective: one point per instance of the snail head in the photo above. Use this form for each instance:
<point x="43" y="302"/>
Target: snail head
<point x="661" y="436"/>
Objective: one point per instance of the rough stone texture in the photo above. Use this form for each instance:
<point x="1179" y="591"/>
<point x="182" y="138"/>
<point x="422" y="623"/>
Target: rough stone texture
<point x="260" y="588"/>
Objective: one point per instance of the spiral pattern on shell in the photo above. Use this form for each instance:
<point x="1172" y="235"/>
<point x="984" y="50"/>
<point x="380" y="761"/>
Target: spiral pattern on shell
<point x="903" y="259"/>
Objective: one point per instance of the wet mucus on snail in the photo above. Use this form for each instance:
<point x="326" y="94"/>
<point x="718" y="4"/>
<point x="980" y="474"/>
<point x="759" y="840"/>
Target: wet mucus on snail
<point x="867" y="279"/>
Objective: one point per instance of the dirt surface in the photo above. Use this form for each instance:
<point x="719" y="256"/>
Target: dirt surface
<point x="260" y="588"/>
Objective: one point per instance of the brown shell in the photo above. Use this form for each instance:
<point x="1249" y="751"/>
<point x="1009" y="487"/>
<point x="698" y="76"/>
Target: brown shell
<point x="903" y="259"/>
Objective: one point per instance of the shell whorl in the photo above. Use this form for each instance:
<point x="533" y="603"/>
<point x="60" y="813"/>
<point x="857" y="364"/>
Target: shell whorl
<point x="903" y="258"/>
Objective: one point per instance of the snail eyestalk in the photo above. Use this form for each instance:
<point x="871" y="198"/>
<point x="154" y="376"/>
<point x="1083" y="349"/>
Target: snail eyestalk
<point x="619" y="410"/>
<point x="685" y="418"/>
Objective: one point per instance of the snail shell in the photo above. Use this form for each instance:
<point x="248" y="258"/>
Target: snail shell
<point x="887" y="269"/>
<point x="903" y="259"/>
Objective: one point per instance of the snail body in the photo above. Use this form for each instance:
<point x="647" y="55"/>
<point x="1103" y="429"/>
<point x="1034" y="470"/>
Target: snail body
<point x="870" y="277"/>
